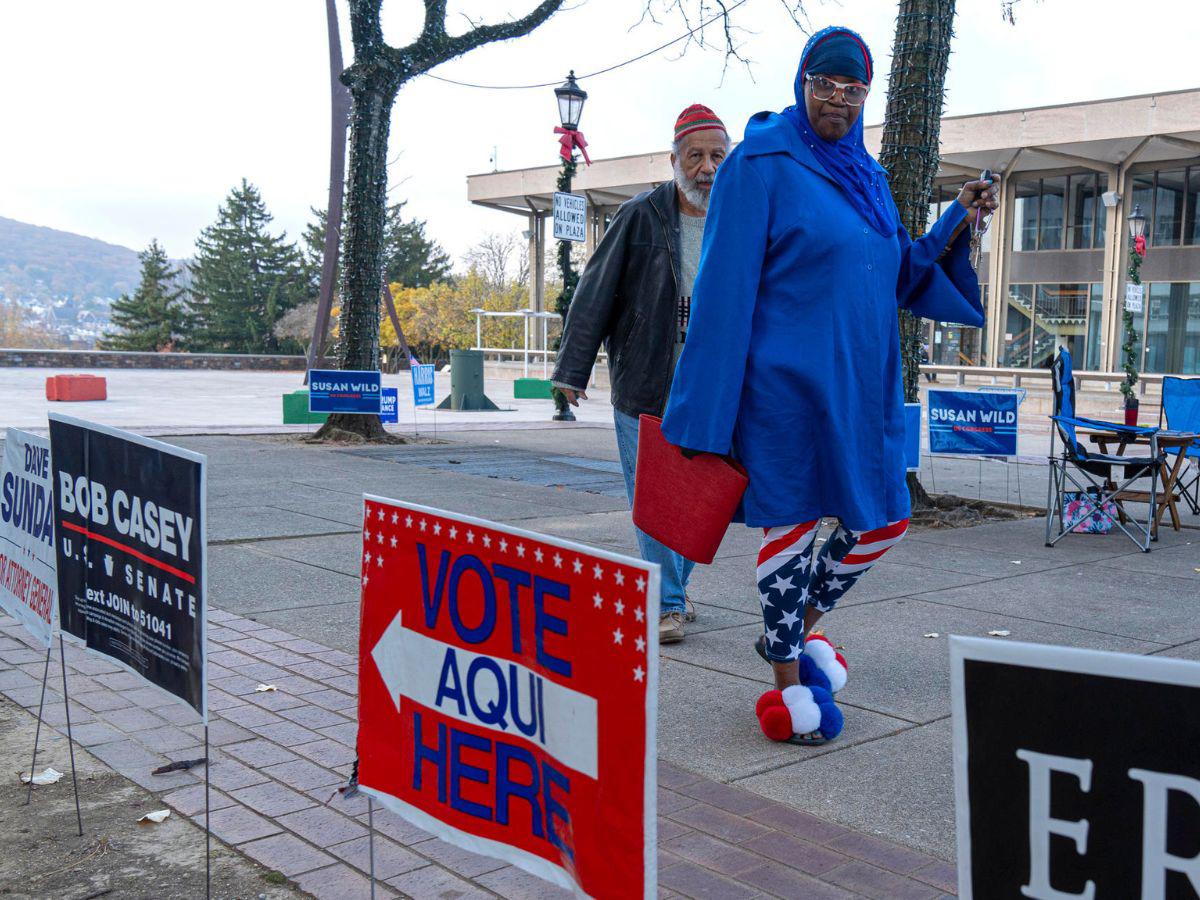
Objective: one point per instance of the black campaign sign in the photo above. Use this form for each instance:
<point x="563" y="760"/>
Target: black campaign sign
<point x="1077" y="773"/>
<point x="130" y="545"/>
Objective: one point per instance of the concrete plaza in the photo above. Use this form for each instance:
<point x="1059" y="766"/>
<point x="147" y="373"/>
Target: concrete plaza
<point x="870" y="814"/>
<point x="284" y="563"/>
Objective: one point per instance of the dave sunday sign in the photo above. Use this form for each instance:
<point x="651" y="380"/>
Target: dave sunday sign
<point x="1077" y="773"/>
<point x="507" y="688"/>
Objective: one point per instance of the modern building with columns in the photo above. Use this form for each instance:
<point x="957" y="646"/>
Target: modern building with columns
<point x="1055" y="256"/>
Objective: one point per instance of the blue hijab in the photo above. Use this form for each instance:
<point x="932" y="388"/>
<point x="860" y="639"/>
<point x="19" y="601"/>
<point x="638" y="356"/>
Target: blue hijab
<point x="846" y="160"/>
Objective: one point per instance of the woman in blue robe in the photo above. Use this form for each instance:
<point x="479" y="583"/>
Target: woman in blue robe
<point x="792" y="361"/>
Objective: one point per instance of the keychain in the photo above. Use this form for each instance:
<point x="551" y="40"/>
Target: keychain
<point x="980" y="225"/>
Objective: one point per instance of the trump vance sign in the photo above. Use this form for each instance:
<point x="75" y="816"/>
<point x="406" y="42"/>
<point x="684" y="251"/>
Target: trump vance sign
<point x="507" y="690"/>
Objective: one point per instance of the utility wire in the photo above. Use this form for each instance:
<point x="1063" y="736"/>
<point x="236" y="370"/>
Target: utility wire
<point x="526" y="87"/>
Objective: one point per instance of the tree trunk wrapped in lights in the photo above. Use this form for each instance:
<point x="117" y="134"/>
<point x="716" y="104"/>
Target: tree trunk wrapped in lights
<point x="911" y="133"/>
<point x="374" y="79"/>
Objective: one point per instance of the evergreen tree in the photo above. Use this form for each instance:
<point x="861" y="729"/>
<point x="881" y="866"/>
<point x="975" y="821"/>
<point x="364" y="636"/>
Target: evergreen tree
<point x="243" y="279"/>
<point x="152" y="318"/>
<point x="409" y="257"/>
<point x="312" y="250"/>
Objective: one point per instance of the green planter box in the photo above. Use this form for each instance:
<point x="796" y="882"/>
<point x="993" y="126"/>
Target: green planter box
<point x="295" y="410"/>
<point x="532" y="389"/>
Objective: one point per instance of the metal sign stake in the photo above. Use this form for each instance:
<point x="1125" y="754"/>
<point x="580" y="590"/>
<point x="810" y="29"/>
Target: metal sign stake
<point x="38" y="733"/>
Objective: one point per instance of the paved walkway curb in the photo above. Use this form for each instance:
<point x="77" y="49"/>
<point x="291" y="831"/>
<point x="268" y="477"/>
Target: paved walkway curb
<point x="279" y="756"/>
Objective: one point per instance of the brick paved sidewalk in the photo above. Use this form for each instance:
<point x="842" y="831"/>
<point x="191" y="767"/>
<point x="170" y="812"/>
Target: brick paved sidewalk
<point x="278" y="757"/>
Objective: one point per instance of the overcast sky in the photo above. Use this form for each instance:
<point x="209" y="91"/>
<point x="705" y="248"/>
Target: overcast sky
<point x="131" y="119"/>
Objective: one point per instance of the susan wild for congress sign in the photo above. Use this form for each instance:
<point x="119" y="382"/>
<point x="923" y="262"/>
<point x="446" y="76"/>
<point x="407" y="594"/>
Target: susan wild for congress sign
<point x="131" y="552"/>
<point x="973" y="423"/>
<point x="507" y="688"/>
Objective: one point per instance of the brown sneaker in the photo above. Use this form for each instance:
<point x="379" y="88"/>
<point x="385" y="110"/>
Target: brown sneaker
<point x="670" y="627"/>
<point x="689" y="609"/>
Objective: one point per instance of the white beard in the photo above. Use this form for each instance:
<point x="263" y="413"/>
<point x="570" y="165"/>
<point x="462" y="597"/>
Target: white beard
<point x="691" y="189"/>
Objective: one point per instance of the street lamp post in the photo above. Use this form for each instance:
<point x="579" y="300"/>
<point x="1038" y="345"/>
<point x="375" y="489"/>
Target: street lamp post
<point x="1137" y="253"/>
<point x="570" y="97"/>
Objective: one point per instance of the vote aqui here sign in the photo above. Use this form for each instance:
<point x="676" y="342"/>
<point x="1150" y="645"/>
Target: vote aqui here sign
<point x="507" y="691"/>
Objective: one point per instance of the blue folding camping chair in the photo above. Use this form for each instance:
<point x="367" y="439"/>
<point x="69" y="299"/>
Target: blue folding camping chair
<point x="1089" y="474"/>
<point x="1181" y="412"/>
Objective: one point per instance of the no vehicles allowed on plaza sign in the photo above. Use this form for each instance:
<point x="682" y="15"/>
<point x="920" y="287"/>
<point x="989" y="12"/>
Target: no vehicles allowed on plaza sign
<point x="507" y="691"/>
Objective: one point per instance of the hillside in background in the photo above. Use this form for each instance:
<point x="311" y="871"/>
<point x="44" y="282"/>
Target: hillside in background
<point x="44" y="264"/>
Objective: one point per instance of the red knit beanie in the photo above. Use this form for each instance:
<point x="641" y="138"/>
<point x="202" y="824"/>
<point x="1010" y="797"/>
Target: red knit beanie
<point x="696" y="117"/>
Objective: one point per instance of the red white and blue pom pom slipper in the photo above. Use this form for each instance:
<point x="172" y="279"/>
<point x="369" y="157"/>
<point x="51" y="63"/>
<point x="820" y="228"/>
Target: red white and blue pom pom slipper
<point x="820" y="664"/>
<point x="799" y="715"/>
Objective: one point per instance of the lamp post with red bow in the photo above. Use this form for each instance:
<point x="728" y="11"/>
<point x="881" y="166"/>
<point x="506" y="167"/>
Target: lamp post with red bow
<point x="1137" y="252"/>
<point x="570" y="98"/>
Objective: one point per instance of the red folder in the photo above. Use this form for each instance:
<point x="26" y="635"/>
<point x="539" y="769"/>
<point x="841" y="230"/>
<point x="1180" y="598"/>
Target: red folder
<point x="685" y="504"/>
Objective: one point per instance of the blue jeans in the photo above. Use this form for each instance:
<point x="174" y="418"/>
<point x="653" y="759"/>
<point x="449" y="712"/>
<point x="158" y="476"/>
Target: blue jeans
<point x="675" y="569"/>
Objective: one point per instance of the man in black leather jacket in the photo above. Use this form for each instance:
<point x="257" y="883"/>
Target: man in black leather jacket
<point x="635" y="297"/>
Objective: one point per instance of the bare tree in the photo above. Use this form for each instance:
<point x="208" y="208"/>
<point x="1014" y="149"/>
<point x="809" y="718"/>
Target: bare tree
<point x="376" y="76"/>
<point x="500" y="258"/>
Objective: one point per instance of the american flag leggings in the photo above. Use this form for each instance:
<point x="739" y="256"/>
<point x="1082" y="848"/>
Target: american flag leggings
<point x="791" y="577"/>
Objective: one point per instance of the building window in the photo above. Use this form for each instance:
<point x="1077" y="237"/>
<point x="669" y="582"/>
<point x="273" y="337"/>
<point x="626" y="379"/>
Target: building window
<point x="1050" y="213"/>
<point x="1171" y="328"/>
<point x="1085" y="212"/>
<point x="1168" y="207"/>
<point x="1059" y="213"/>
<point x="1018" y="318"/>
<point x="1025" y="215"/>
<point x="1191" y="221"/>
<point x="1041" y="317"/>
<point x="1169" y="200"/>
<point x="1060" y="319"/>
<point x="1095" y="315"/>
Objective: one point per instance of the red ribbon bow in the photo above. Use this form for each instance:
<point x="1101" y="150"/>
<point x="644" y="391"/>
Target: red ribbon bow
<point x="569" y="140"/>
<point x="1139" y="245"/>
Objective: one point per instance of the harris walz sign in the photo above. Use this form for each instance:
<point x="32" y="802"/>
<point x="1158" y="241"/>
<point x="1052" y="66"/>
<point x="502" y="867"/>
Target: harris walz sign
<point x="130" y="545"/>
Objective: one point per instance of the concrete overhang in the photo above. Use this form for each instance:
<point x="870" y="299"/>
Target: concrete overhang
<point x="1100" y="134"/>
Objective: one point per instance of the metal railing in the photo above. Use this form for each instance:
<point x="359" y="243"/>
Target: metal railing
<point x="525" y="352"/>
<point x="1015" y="377"/>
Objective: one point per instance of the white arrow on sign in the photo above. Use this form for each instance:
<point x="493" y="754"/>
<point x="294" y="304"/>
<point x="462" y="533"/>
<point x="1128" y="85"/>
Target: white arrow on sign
<point x="412" y="665"/>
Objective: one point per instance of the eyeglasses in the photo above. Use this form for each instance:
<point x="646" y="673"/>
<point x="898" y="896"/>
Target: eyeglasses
<point x="854" y="93"/>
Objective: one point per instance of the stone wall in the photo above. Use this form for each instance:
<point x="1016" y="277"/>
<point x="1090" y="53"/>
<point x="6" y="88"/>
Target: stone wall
<point x="116" y="359"/>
